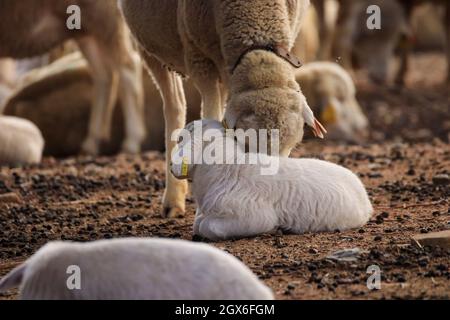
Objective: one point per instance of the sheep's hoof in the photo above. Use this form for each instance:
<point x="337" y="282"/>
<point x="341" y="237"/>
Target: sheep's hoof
<point x="90" y="147"/>
<point x="172" y="213"/>
<point x="131" y="147"/>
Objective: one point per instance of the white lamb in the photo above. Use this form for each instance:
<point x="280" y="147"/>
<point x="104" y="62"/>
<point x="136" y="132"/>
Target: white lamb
<point x="21" y="142"/>
<point x="134" y="269"/>
<point x="236" y="200"/>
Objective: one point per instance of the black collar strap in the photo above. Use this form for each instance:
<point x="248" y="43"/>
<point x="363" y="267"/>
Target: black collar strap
<point x="278" y="50"/>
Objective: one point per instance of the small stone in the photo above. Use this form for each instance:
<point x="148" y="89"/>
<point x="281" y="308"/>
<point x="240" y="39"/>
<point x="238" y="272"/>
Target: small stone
<point x="384" y="215"/>
<point x="377" y="238"/>
<point x="436" y="214"/>
<point x="313" y="251"/>
<point x="441" y="179"/>
<point x="434" y="239"/>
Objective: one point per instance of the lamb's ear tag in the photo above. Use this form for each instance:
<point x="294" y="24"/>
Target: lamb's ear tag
<point x="328" y="115"/>
<point x="289" y="57"/>
<point x="185" y="167"/>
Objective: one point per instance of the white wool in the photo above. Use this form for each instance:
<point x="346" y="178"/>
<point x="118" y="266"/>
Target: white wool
<point x="21" y="142"/>
<point x="326" y="85"/>
<point x="306" y="195"/>
<point x="136" y="269"/>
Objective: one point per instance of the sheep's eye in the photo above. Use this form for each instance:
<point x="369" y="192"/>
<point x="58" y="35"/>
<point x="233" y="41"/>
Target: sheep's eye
<point x="180" y="139"/>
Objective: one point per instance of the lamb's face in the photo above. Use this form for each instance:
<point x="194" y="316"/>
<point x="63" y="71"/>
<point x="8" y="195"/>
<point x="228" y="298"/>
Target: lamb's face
<point x="265" y="95"/>
<point x="191" y="143"/>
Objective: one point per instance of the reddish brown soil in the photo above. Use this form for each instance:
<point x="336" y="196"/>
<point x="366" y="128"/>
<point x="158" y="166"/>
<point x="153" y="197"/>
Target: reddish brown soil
<point x="95" y="198"/>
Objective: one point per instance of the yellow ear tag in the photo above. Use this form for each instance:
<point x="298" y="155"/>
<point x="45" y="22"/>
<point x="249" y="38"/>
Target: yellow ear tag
<point x="328" y="115"/>
<point x="185" y="167"/>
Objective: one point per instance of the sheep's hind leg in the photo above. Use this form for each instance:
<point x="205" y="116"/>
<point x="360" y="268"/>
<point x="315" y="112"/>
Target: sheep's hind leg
<point x="106" y="81"/>
<point x="172" y="93"/>
<point x="206" y="78"/>
<point x="131" y="95"/>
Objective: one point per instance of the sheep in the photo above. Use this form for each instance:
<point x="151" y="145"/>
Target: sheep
<point x="332" y="95"/>
<point x="21" y="142"/>
<point x="230" y="54"/>
<point x="134" y="269"/>
<point x="57" y="99"/>
<point x="406" y="48"/>
<point x="374" y="48"/>
<point x="237" y="200"/>
<point x="40" y="25"/>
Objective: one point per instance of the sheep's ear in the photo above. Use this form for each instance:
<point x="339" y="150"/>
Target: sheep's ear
<point x="13" y="279"/>
<point x="317" y="128"/>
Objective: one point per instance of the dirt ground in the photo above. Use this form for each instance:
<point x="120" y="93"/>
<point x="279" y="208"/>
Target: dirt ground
<point x="88" y="198"/>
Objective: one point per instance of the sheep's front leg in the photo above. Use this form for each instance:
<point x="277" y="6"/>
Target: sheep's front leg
<point x="172" y="93"/>
<point x="106" y="81"/>
<point x="212" y="106"/>
<point x="132" y="99"/>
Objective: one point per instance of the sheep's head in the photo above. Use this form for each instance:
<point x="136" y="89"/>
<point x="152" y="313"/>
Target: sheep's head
<point x="192" y="140"/>
<point x="332" y="93"/>
<point x="265" y="95"/>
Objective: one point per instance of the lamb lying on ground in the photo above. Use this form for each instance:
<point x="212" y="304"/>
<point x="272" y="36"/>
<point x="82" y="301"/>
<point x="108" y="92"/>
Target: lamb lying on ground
<point x="21" y="142"/>
<point x="331" y="93"/>
<point x="236" y="201"/>
<point x="135" y="269"/>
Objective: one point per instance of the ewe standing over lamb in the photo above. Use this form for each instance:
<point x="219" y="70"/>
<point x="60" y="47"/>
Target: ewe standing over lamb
<point x="235" y="201"/>
<point x="33" y="27"/>
<point x="135" y="269"/>
<point x="238" y="47"/>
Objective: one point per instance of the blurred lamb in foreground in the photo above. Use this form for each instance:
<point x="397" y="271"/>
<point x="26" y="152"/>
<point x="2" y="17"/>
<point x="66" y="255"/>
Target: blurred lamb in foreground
<point x="135" y="269"/>
<point x="40" y="25"/>
<point x="21" y="142"/>
<point x="331" y="93"/>
<point x="236" y="200"/>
